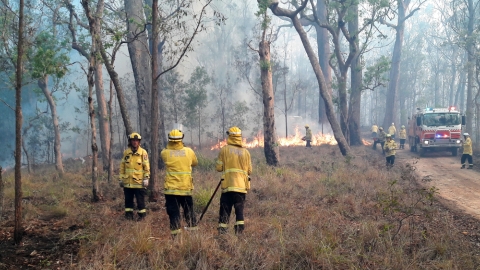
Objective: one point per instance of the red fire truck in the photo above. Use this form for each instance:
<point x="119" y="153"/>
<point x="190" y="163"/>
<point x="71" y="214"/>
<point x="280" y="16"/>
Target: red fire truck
<point x="435" y="129"/>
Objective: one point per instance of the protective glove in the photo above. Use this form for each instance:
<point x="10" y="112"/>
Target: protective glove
<point x="120" y="183"/>
<point x="387" y="149"/>
<point x="145" y="182"/>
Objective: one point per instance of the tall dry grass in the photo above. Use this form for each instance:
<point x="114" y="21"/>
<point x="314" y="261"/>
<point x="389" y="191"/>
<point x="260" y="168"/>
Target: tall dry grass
<point x="317" y="210"/>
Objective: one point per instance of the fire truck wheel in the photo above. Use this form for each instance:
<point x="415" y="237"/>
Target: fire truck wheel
<point x="422" y="152"/>
<point x="454" y="152"/>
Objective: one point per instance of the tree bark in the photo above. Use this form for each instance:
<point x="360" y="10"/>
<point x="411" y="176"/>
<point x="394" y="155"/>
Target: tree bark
<point x="18" y="228"/>
<point x="2" y="193"/>
<point x="42" y="83"/>
<point x="470" y="66"/>
<point x="324" y="91"/>
<point x="391" y="104"/>
<point x="96" y="195"/>
<point x="154" y="155"/>
<point x="270" y="147"/>
<point x="141" y="66"/>
<point x="356" y="86"/>
<point x="323" y="47"/>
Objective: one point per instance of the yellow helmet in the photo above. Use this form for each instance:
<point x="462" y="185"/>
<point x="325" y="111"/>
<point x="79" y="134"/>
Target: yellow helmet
<point x="234" y="131"/>
<point x="134" y="135"/>
<point x="306" y="126"/>
<point x="175" y="135"/>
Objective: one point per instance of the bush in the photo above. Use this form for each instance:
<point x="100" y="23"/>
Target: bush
<point x="205" y="164"/>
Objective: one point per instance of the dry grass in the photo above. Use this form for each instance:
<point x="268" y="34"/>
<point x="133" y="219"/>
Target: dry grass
<point x="316" y="211"/>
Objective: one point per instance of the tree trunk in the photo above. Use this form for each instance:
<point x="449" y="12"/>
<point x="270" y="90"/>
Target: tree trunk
<point x="18" y="228"/>
<point x="323" y="47"/>
<point x="324" y="91"/>
<point x="103" y="118"/>
<point x="96" y="42"/>
<point x="356" y="87"/>
<point x="470" y="66"/>
<point x="154" y="154"/>
<point x="42" y="83"/>
<point x="110" y="151"/>
<point x="140" y="60"/>
<point x="2" y="193"/>
<point x="27" y="156"/>
<point x="91" y="109"/>
<point x="342" y="104"/>
<point x="270" y="148"/>
<point x="118" y="88"/>
<point x="391" y="104"/>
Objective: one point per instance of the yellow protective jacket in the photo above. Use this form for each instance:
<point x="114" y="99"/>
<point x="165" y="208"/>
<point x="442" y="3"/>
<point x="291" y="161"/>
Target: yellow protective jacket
<point x="235" y="163"/>
<point x="390" y="147"/>
<point x="134" y="168"/>
<point x="392" y="130"/>
<point x="308" y="136"/>
<point x="467" y="146"/>
<point x="374" y="128"/>
<point x="402" y="134"/>
<point x="179" y="161"/>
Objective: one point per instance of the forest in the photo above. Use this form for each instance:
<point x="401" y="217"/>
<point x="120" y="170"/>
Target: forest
<point x="79" y="76"/>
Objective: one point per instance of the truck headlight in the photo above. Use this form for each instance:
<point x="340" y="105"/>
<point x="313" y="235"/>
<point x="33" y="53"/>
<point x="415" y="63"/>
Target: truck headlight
<point x="425" y="142"/>
<point x="458" y="141"/>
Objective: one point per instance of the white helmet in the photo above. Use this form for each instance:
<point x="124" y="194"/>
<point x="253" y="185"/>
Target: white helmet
<point x="392" y="124"/>
<point x="466" y="134"/>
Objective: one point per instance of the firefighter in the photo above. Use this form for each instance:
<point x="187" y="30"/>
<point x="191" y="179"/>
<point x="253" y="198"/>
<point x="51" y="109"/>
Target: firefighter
<point x="390" y="147"/>
<point x="308" y="136"/>
<point x="403" y="136"/>
<point x="381" y="138"/>
<point x="392" y="130"/>
<point x="235" y="164"/>
<point x="178" y="187"/>
<point x="374" y="131"/>
<point x="374" y="136"/>
<point x="134" y="176"/>
<point x="467" y="151"/>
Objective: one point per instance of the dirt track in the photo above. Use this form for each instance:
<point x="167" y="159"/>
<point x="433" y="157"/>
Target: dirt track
<point x="460" y="188"/>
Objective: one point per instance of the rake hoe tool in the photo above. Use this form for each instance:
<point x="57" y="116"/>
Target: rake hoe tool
<point x="208" y="204"/>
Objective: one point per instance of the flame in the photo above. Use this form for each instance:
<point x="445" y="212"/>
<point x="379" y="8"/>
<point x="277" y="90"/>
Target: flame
<point x="293" y="140"/>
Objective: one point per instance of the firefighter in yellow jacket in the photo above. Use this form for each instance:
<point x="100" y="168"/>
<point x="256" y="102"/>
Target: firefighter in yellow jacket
<point x="179" y="161"/>
<point x="134" y="175"/>
<point x="392" y="131"/>
<point x="308" y="136"/>
<point x="235" y="164"/>
<point x="402" y="135"/>
<point x="467" y="151"/>
<point x="390" y="147"/>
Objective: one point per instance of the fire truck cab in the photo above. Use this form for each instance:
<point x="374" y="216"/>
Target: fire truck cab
<point x="435" y="129"/>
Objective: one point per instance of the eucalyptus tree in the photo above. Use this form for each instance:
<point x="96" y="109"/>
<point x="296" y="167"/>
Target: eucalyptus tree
<point x="404" y="12"/>
<point x="270" y="144"/>
<point x="324" y="90"/>
<point x="18" y="228"/>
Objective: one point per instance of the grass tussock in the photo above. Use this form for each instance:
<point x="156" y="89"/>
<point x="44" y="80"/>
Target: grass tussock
<point x="317" y="210"/>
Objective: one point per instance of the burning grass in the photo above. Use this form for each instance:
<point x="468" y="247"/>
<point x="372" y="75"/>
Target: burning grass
<point x="316" y="211"/>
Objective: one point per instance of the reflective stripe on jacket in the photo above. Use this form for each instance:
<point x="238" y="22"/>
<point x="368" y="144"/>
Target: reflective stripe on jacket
<point x="391" y="145"/>
<point x="402" y="134"/>
<point x="134" y="168"/>
<point x="179" y="161"/>
<point x="467" y="146"/>
<point x="308" y="136"/>
<point x="235" y="163"/>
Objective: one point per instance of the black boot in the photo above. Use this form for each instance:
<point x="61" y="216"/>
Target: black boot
<point x="129" y="215"/>
<point x="141" y="216"/>
<point x="222" y="230"/>
<point x="470" y="166"/>
<point x="239" y="229"/>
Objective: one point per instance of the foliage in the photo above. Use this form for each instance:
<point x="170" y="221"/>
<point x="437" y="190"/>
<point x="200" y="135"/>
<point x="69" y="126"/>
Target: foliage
<point x="376" y="74"/>
<point x="49" y="56"/>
